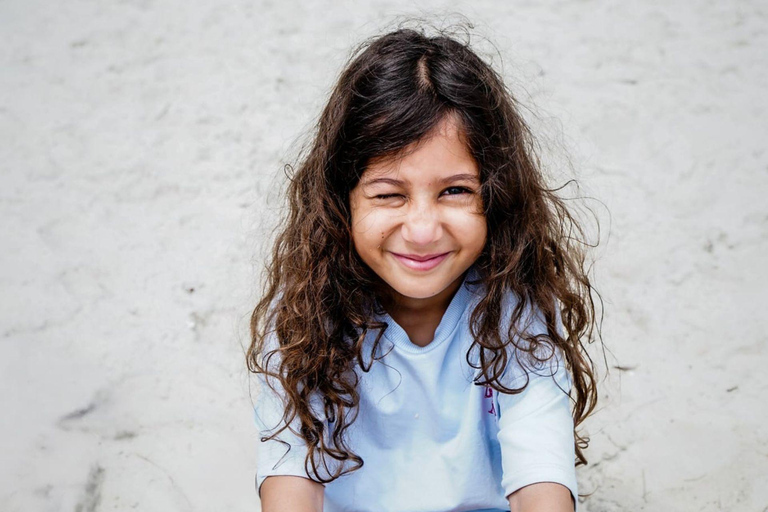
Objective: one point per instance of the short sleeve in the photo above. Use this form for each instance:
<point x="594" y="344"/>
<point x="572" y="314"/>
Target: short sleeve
<point x="273" y="456"/>
<point x="536" y="428"/>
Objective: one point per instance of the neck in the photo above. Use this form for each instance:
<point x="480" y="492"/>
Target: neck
<point x="419" y="318"/>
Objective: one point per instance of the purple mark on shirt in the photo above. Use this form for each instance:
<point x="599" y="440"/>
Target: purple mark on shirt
<point x="489" y="394"/>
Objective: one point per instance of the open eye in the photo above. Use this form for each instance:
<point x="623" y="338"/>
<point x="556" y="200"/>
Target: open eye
<point x="452" y="191"/>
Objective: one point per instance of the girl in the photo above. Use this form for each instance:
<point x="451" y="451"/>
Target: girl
<point x="419" y="342"/>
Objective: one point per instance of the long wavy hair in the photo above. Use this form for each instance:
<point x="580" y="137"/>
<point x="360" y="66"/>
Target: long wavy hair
<point x="317" y="304"/>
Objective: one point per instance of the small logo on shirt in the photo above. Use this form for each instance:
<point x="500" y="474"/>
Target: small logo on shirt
<point x="489" y="394"/>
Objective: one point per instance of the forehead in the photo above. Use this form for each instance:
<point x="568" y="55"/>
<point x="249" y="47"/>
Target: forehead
<point x="443" y="151"/>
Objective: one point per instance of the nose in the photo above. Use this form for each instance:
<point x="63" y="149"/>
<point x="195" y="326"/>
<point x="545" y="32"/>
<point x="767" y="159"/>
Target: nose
<point x="422" y="225"/>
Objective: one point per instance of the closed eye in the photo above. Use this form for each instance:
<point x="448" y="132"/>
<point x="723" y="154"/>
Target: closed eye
<point x="387" y="196"/>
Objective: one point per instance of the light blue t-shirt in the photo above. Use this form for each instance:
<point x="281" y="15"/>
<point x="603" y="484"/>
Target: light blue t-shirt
<point x="430" y="439"/>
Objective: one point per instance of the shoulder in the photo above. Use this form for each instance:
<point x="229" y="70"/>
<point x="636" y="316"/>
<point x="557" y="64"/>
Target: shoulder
<point x="531" y="344"/>
<point x="516" y="315"/>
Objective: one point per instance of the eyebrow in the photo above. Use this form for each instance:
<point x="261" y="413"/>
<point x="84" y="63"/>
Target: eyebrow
<point x="443" y="181"/>
<point x="386" y="181"/>
<point x="460" y="177"/>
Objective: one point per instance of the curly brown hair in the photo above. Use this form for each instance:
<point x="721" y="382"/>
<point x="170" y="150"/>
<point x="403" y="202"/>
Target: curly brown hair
<point x="317" y="301"/>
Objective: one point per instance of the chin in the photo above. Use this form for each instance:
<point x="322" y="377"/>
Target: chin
<point x="416" y="293"/>
<point x="419" y="289"/>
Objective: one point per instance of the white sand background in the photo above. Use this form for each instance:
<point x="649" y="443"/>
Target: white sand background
<point x="141" y="145"/>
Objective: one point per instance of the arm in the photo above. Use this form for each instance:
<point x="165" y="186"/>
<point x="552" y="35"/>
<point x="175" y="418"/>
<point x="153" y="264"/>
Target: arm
<point x="544" y="496"/>
<point x="291" y="494"/>
<point x="537" y="444"/>
<point x="282" y="481"/>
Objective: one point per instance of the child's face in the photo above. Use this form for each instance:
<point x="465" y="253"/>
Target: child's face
<point x="417" y="222"/>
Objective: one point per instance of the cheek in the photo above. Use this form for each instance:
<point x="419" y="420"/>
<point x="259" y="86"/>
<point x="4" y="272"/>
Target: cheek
<point x="372" y="222"/>
<point x="476" y="232"/>
<point x="470" y="227"/>
<point x="483" y="238"/>
<point x="362" y="223"/>
<point x="480" y="232"/>
<point x="369" y="230"/>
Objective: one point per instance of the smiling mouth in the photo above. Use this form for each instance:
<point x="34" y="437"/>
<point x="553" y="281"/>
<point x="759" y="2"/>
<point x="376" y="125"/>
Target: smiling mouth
<point x="421" y="263"/>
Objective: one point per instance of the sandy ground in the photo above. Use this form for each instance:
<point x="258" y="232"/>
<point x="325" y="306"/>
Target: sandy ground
<point x="141" y="154"/>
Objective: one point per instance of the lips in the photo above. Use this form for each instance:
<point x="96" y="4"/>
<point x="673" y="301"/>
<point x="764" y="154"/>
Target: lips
<point x="421" y="262"/>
